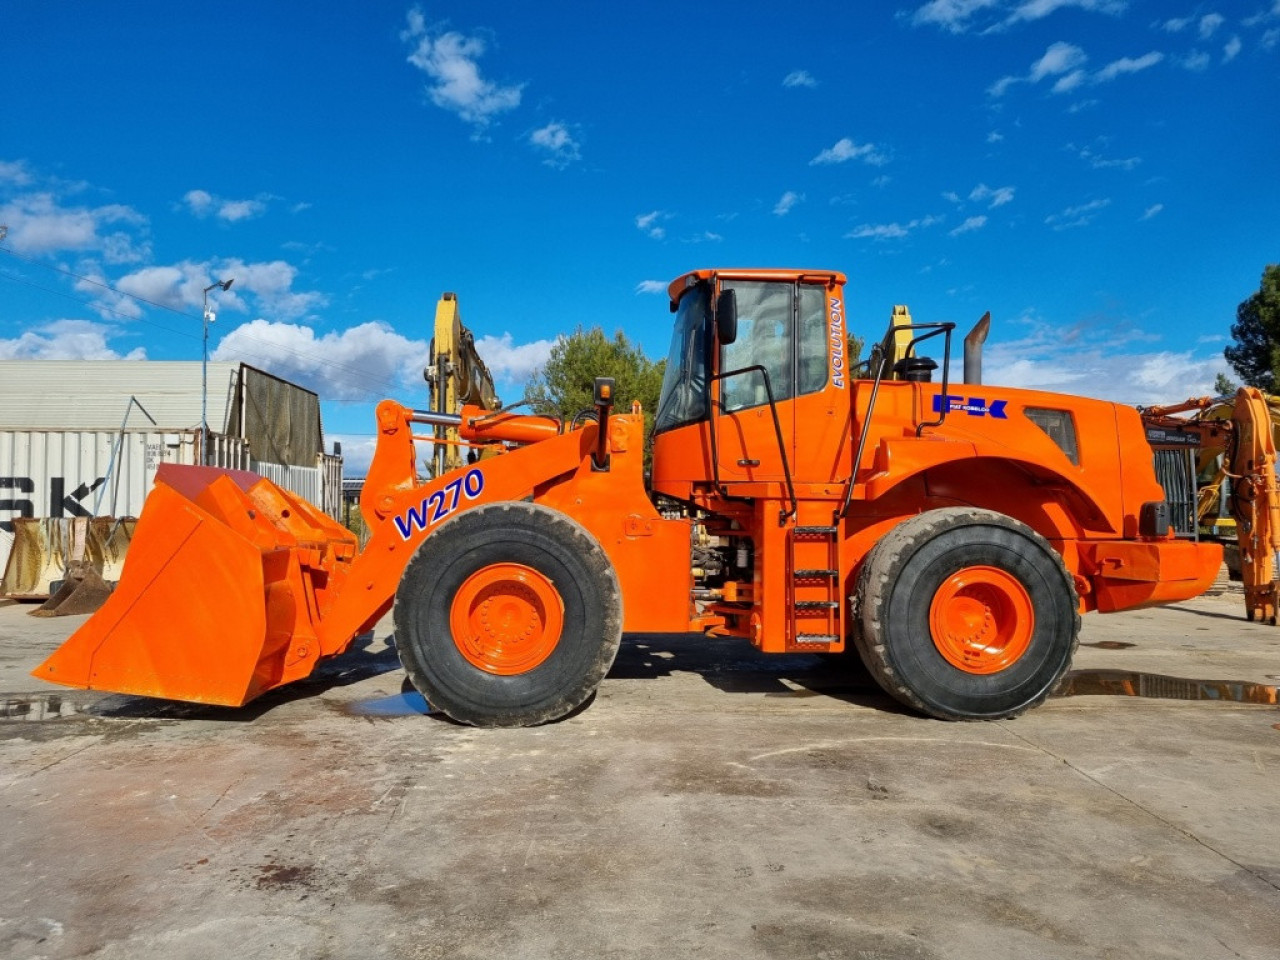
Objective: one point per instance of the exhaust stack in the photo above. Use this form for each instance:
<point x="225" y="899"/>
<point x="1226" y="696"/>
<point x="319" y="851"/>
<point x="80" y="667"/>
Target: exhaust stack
<point x="973" y="349"/>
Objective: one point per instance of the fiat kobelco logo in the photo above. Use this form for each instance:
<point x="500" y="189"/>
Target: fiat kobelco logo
<point x="973" y="406"/>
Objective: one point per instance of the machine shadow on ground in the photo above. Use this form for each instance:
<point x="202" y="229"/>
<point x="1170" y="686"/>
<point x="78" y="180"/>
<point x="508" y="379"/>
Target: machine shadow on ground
<point x="733" y="666"/>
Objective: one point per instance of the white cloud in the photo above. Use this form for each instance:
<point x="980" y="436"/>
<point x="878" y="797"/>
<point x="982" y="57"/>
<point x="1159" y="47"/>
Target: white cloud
<point x="233" y="210"/>
<point x="650" y="224"/>
<point x="1127" y="65"/>
<point x="367" y="361"/>
<point x="1031" y="10"/>
<point x="890" y="231"/>
<point x="988" y="16"/>
<point x="39" y="224"/>
<point x="995" y="136"/>
<point x="1068" y="83"/>
<point x="269" y="284"/>
<point x="104" y="300"/>
<point x="951" y="15"/>
<point x="202" y="203"/>
<point x="1079" y="361"/>
<point x="651" y="286"/>
<point x="786" y="202"/>
<point x="845" y="149"/>
<point x="1080" y="106"/>
<point x="1078" y="216"/>
<point x="66" y="340"/>
<point x="1264" y="16"/>
<point x="1177" y="24"/>
<point x="510" y="361"/>
<point x="364" y="362"/>
<point x="1270" y="39"/>
<point x="1058" y="59"/>
<point x="1196" y="61"/>
<point x="1066" y="62"/>
<point x="557" y="144"/>
<point x="1098" y="162"/>
<point x="1231" y="49"/>
<point x="15" y="172"/>
<point x="1151" y="211"/>
<point x="450" y="60"/>
<point x="1210" y="23"/>
<point x="971" y="224"/>
<point x="799" y="78"/>
<point x="199" y="202"/>
<point x="998" y="196"/>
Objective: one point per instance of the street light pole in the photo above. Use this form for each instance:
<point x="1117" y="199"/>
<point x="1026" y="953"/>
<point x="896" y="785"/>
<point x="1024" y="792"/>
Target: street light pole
<point x="224" y="285"/>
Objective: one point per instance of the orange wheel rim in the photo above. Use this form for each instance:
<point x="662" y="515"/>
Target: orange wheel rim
<point x="506" y="618"/>
<point x="982" y="620"/>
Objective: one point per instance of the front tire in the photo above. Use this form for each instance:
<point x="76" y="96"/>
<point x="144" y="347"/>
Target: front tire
<point x="509" y="615"/>
<point x="966" y="614"/>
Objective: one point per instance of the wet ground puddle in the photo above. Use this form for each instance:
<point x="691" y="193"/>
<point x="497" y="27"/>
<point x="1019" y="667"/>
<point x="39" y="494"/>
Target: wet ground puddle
<point x="407" y="704"/>
<point x="1130" y="683"/>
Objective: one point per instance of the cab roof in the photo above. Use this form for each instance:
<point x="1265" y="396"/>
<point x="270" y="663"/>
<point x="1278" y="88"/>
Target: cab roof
<point x="693" y="277"/>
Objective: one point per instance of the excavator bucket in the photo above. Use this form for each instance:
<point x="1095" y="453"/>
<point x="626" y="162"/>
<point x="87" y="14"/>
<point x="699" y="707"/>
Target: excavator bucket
<point x="220" y="596"/>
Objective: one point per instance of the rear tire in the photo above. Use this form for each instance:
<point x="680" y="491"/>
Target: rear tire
<point x="966" y="614"/>
<point x="509" y="615"/>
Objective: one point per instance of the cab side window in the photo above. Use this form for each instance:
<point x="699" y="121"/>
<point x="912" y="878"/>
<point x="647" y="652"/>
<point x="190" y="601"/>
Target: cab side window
<point x="794" y="353"/>
<point x="812" y="340"/>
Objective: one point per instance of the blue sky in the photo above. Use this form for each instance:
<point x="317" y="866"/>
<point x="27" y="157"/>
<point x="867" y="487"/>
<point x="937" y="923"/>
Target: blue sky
<point x="1099" y="174"/>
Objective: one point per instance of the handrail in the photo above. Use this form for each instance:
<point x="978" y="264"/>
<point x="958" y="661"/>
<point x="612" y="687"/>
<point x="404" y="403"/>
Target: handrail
<point x="777" y="430"/>
<point x="884" y="346"/>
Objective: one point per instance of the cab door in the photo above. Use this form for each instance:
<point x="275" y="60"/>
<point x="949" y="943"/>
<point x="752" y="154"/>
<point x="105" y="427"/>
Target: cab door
<point x="782" y="353"/>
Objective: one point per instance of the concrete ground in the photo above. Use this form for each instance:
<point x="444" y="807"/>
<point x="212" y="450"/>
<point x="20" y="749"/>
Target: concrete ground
<point x="709" y="803"/>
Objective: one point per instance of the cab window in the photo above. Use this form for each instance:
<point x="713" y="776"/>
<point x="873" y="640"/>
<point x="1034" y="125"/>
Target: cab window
<point x="780" y="329"/>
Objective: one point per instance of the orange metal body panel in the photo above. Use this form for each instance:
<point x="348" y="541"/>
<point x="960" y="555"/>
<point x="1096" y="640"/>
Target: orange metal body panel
<point x="1128" y="574"/>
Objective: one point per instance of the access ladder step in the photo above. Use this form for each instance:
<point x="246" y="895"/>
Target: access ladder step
<point x="816" y="531"/>
<point x="811" y="574"/>
<point x="817" y="604"/>
<point x="817" y="638"/>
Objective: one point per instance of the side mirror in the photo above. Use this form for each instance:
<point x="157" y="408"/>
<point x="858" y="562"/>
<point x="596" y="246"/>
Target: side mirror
<point x="727" y="317"/>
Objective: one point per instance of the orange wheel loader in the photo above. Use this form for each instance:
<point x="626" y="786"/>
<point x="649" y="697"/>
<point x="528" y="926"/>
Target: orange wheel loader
<point x="950" y="533"/>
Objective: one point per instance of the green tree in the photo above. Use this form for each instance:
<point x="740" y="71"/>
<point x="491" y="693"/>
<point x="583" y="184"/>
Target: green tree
<point x="564" y="386"/>
<point x="1255" y="356"/>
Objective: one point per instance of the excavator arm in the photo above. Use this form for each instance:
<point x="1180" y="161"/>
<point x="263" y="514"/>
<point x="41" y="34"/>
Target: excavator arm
<point x="1237" y="443"/>
<point x="455" y="375"/>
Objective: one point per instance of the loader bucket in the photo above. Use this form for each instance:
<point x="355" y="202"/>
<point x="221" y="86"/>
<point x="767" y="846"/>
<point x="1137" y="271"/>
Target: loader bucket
<point x="220" y="595"/>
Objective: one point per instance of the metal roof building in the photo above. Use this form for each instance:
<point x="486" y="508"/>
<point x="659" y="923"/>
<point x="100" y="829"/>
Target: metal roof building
<point x="94" y="395"/>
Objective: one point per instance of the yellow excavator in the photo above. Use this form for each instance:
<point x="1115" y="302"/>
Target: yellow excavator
<point x="456" y="376"/>
<point x="1233" y="440"/>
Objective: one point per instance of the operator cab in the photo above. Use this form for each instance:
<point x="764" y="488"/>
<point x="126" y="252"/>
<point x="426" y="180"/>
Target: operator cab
<point x="756" y="382"/>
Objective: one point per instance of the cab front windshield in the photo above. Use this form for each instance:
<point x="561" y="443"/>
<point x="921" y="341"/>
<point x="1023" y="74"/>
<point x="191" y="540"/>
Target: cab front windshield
<point x="684" y="384"/>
